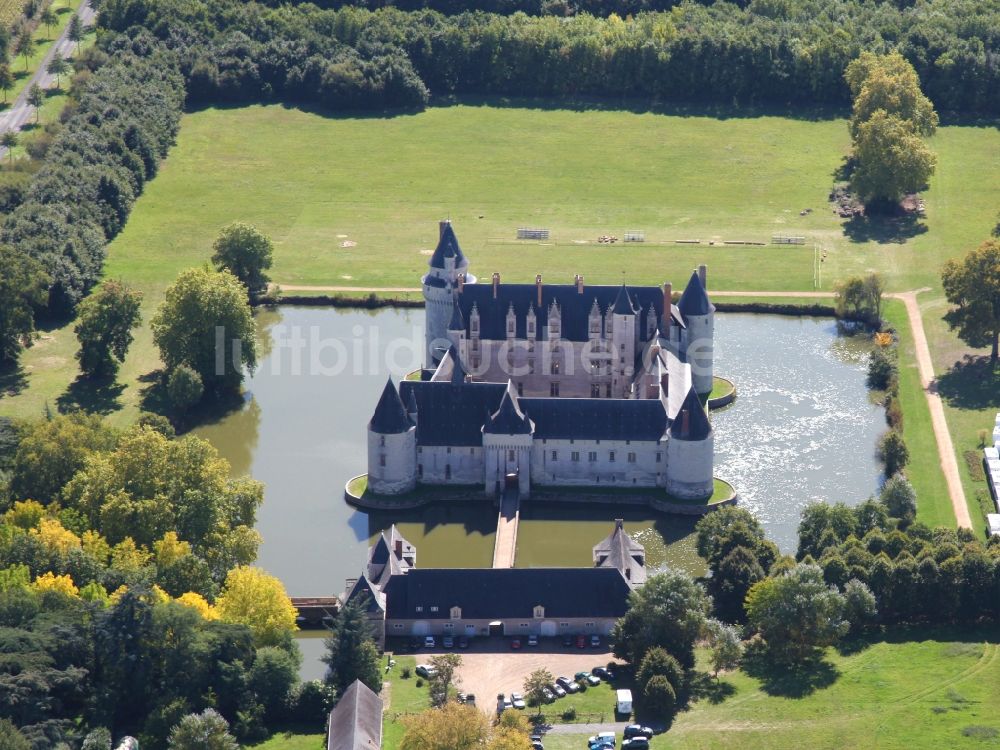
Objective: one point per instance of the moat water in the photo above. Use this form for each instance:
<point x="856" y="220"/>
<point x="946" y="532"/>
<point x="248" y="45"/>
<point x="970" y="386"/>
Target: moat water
<point x="802" y="429"/>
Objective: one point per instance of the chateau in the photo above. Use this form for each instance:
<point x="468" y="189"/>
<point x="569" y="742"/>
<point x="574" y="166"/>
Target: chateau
<point x="550" y="385"/>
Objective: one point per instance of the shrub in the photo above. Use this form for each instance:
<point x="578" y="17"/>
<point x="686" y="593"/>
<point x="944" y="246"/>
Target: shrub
<point x="405" y="673"/>
<point x="420" y="682"/>
<point x="899" y="498"/>
<point x="881" y="370"/>
<point x="184" y="388"/>
<point x="659" y="697"/>
<point x="569" y="714"/>
<point x="893" y="412"/>
<point x="893" y="452"/>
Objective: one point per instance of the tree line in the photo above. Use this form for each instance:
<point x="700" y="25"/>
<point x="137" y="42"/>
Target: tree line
<point x="793" y="52"/>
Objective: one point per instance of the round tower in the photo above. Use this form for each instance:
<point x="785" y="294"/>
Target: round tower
<point x="440" y="285"/>
<point x="690" y="451"/>
<point x="698" y="340"/>
<point x="392" y="445"/>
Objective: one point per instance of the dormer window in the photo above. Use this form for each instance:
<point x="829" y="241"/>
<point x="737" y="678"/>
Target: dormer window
<point x="539" y="612"/>
<point x="456" y="613"/>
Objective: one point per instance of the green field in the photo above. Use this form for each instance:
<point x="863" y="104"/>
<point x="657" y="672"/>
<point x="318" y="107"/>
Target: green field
<point x="922" y="689"/>
<point x="315" y="183"/>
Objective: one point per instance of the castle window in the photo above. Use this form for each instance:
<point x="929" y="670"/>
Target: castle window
<point x="539" y="612"/>
<point x="448" y="449"/>
<point x="659" y="457"/>
<point x="555" y="367"/>
<point x="608" y="391"/>
<point x="520" y="389"/>
<point x="447" y="471"/>
<point x="418" y="609"/>
<point x="553" y="389"/>
<point x="510" y="455"/>
<point x="592" y="456"/>
<point x="397" y="626"/>
<point x="456" y="613"/>
<point x="555" y="455"/>
<point x="434" y="609"/>
<point x="575" y="456"/>
<point x="611" y="456"/>
<point x="381" y="460"/>
<point x="595" y="390"/>
<point x="381" y="441"/>
<point x="420" y="471"/>
<point x="631" y="458"/>
<point x="475" y="363"/>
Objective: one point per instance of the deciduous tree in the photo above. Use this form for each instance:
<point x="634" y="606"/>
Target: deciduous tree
<point x="899" y="498"/>
<point x="726" y="645"/>
<point x="888" y="83"/>
<point x="205" y="323"/>
<point x="445" y="666"/>
<point x="57" y="67"/>
<point x="972" y="285"/>
<point x="104" y="327"/>
<point x="6" y="82"/>
<point x="23" y="286"/>
<point x="245" y="252"/>
<point x="668" y="611"/>
<point x="253" y="598"/>
<point x="892" y="160"/>
<point x="36" y="98"/>
<point x="452" y="727"/>
<point x="74" y="31"/>
<point x="796" y="613"/>
<point x="204" y="731"/>
<point x="535" y="685"/>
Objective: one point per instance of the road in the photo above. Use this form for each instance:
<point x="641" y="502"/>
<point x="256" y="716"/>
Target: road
<point x="20" y="112"/>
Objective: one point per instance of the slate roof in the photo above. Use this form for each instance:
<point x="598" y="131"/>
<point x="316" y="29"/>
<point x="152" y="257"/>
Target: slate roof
<point x="390" y="416"/>
<point x="620" y="551"/>
<point x="508" y="419"/>
<point x="447" y="247"/>
<point x="355" y="723"/>
<point x="699" y="427"/>
<point x="574" y="307"/>
<point x="452" y="414"/>
<point x="366" y="592"/>
<point x="596" y="418"/>
<point x="457" y="322"/>
<point x="695" y="299"/>
<point x="500" y="593"/>
<point x="623" y="303"/>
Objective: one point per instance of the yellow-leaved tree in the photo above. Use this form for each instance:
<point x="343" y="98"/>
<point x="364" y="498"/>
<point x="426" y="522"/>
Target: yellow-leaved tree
<point x="253" y="598"/>
<point x="51" y="582"/>
<point x="198" y="603"/>
<point x="55" y="537"/>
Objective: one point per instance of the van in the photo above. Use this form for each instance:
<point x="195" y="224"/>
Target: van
<point x="624" y="701"/>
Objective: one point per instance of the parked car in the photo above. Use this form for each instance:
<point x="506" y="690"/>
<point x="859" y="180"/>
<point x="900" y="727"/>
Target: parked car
<point x="429" y="642"/>
<point x="448" y="642"/>
<point x="559" y="690"/>
<point x="547" y="695"/>
<point x="600" y="746"/>
<point x="461" y="697"/>
<point x="581" y="641"/>
<point x="532" y="640"/>
<point x="517" y="700"/>
<point x="413" y="645"/>
<point x="637" y="730"/>
<point x="463" y="642"/>
<point x="636" y="743"/>
<point x="515" y="644"/>
<point x="603" y="737"/>
<point x="591" y="679"/>
<point x="470" y="699"/>
<point x="568" y="641"/>
<point x="601" y="672"/>
<point x="503" y="703"/>
<point x="568" y="685"/>
<point x="426" y="671"/>
<point x="537" y="745"/>
<point x="595" y="641"/>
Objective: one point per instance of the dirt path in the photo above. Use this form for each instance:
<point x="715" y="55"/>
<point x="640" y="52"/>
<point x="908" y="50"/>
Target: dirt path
<point x="946" y="450"/>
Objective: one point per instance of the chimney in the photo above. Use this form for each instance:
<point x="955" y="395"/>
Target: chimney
<point x="399" y="548"/>
<point x="441" y="227"/>
<point x="685" y="422"/>
<point x="496" y="283"/>
<point x="579" y="284"/>
<point x="668" y="301"/>
<point x="461" y="282"/>
<point x="703" y="275"/>
<point x="538" y="289"/>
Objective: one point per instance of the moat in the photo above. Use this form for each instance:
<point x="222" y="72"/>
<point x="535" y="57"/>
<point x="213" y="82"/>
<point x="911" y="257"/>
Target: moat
<point x="803" y="428"/>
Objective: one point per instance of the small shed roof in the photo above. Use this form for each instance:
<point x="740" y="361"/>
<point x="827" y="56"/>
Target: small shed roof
<point x="356" y="721"/>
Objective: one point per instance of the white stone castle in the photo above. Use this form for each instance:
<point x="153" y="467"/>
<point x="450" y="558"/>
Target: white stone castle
<point x="550" y="385"/>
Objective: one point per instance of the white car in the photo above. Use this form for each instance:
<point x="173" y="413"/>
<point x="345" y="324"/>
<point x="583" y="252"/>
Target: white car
<point x="425" y="671"/>
<point x="602" y="738"/>
<point x="517" y="700"/>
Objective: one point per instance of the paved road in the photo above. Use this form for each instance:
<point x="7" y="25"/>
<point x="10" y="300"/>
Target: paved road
<point x="20" y="111"/>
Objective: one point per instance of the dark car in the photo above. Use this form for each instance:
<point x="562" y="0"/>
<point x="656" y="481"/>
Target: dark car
<point x="463" y="642"/>
<point x="581" y="641"/>
<point x="515" y="644"/>
<point x="636" y="743"/>
<point x="448" y="642"/>
<point x="601" y="672"/>
<point x="537" y="745"/>
<point x="568" y="641"/>
<point x="595" y="641"/>
<point x="637" y="730"/>
<point x="568" y="685"/>
<point x="413" y="645"/>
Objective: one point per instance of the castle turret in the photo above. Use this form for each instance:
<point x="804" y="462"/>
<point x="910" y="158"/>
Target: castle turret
<point x="392" y="445"/>
<point x="623" y="342"/>
<point x="507" y="438"/>
<point x="690" y="447"/>
<point x="440" y="287"/>
<point x="456" y="331"/>
<point x="697" y="343"/>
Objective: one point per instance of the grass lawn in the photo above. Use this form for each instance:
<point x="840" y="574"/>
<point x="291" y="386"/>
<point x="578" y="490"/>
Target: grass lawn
<point x="933" y="503"/>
